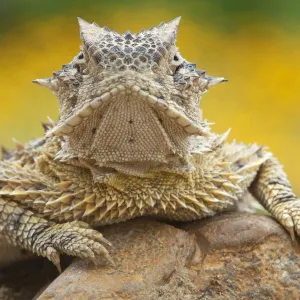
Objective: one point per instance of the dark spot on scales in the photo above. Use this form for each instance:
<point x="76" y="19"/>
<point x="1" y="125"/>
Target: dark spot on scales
<point x="77" y="68"/>
<point x="39" y="186"/>
<point x="94" y="130"/>
<point x="131" y="140"/>
<point x="240" y="164"/>
<point x="130" y="121"/>
<point x="160" y="81"/>
<point x="73" y="100"/>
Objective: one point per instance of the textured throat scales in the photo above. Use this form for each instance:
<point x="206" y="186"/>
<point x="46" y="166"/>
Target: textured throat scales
<point x="130" y="132"/>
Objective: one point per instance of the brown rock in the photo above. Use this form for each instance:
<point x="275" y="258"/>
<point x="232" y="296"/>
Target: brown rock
<point x="233" y="256"/>
<point x="246" y="257"/>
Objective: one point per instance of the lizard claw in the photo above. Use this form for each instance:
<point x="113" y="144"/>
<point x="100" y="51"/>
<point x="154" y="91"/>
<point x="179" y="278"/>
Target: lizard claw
<point x="75" y="239"/>
<point x="53" y="256"/>
<point x="288" y="214"/>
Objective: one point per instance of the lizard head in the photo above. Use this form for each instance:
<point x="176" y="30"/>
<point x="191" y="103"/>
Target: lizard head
<point x="129" y="98"/>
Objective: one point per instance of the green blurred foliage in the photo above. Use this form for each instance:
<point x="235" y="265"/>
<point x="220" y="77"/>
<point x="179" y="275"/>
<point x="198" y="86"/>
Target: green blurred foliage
<point x="225" y="14"/>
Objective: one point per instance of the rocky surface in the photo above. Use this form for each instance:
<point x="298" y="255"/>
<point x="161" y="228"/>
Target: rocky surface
<point x="231" y="256"/>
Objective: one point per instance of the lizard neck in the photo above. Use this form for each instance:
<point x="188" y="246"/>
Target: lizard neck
<point x="180" y="163"/>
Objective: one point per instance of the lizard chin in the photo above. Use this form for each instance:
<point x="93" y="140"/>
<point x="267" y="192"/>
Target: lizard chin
<point x="129" y="131"/>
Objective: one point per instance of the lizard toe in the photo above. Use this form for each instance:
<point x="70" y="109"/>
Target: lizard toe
<point x="289" y="216"/>
<point x="72" y="239"/>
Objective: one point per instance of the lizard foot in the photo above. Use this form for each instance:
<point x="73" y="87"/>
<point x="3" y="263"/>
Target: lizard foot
<point x="75" y="239"/>
<point x="288" y="214"/>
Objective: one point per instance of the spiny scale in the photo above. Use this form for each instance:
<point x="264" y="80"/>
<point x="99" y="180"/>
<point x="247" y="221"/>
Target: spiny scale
<point x="99" y="209"/>
<point x="130" y="141"/>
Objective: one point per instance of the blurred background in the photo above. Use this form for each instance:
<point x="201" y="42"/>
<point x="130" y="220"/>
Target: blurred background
<point x="255" y="44"/>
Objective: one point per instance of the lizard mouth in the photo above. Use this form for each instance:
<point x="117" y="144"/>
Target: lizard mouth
<point x="67" y="127"/>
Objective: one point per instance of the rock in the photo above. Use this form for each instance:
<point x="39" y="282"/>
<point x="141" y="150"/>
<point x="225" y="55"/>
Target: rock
<point x="246" y="257"/>
<point x="231" y="256"/>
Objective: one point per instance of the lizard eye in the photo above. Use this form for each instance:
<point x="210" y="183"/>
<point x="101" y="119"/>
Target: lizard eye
<point x="80" y="56"/>
<point x="177" y="59"/>
<point x="79" y="62"/>
<point x="77" y="68"/>
<point x="176" y="63"/>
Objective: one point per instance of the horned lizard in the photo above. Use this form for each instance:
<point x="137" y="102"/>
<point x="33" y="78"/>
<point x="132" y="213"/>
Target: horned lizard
<point x="130" y="141"/>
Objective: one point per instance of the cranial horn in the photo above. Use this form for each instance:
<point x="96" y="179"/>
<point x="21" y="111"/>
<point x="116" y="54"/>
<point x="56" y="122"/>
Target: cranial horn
<point x="215" y="80"/>
<point x="43" y="82"/>
<point x="91" y="33"/>
<point x="83" y="25"/>
<point x="168" y="31"/>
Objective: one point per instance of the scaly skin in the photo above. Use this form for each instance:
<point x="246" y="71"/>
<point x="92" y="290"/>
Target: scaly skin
<point x="129" y="142"/>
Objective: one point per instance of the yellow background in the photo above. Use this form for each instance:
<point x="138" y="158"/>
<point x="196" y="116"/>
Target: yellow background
<point x="256" y="48"/>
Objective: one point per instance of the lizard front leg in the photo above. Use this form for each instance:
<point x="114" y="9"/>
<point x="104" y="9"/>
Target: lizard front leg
<point x="22" y="227"/>
<point x="272" y="188"/>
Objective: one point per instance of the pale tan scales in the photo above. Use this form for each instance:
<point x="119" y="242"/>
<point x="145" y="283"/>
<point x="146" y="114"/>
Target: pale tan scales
<point x="129" y="142"/>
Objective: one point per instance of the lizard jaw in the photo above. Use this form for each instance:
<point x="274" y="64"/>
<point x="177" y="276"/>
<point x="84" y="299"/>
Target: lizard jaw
<point x="68" y="126"/>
